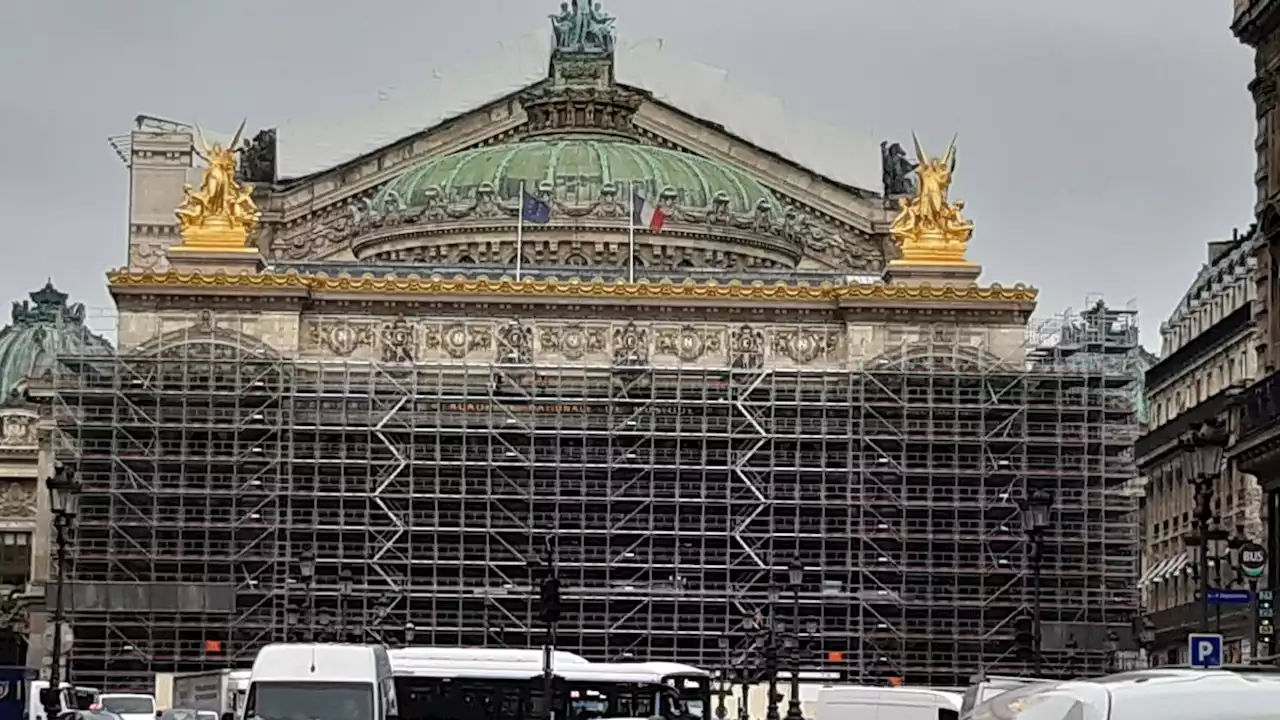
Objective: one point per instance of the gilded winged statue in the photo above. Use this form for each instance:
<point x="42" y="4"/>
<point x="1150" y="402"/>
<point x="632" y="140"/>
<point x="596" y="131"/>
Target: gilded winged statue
<point x="220" y="204"/>
<point x="930" y="227"/>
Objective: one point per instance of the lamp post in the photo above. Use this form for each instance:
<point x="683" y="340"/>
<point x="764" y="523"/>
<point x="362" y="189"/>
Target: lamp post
<point x="1202" y="465"/>
<point x="722" y="711"/>
<point x="1035" y="522"/>
<point x="64" y="503"/>
<point x="307" y="568"/>
<point x="771" y="652"/>
<point x="547" y="578"/>
<point x="745" y="671"/>
<point x="344" y="590"/>
<point x="292" y="619"/>
<point x="795" y="579"/>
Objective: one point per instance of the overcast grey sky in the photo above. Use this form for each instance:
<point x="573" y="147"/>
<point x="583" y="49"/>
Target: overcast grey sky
<point x="1102" y="142"/>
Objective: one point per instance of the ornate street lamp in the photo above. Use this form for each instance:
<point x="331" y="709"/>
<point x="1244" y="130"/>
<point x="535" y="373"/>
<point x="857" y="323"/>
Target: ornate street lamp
<point x="795" y="578"/>
<point x="307" y="569"/>
<point x="771" y="653"/>
<point x="1036" y="508"/>
<point x="722" y="711"/>
<point x="345" y="588"/>
<point x="64" y="504"/>
<point x="1202" y="451"/>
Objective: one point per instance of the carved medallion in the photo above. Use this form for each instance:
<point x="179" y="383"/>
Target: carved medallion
<point x="457" y="340"/>
<point x="515" y="344"/>
<point x="689" y="343"/>
<point x="341" y="338"/>
<point x="746" y="348"/>
<point x="803" y="347"/>
<point x="631" y="345"/>
<point x="574" y="341"/>
<point x="397" y="341"/>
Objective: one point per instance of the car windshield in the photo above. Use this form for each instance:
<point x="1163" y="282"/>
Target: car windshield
<point x="310" y="701"/>
<point x="1041" y="701"/>
<point x="129" y="705"/>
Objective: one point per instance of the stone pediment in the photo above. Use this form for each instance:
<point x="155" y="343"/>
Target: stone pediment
<point x="582" y="140"/>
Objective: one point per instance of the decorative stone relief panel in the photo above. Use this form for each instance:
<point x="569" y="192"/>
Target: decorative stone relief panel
<point x="252" y="333"/>
<point x="457" y="340"/>
<point x="19" y="430"/>
<point x="18" y="499"/>
<point x="573" y="342"/>
<point x="515" y="343"/>
<point x="806" y="347"/>
<point x="746" y="347"/>
<point x="631" y="345"/>
<point x="689" y="344"/>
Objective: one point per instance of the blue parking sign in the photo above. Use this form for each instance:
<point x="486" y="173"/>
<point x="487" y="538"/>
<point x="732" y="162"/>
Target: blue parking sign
<point x="1204" y="650"/>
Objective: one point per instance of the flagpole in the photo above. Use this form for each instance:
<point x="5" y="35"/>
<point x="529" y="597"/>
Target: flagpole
<point x="631" y="236"/>
<point x="520" y="232"/>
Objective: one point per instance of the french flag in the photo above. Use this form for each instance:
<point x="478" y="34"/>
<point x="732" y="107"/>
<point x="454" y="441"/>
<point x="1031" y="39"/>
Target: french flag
<point x="645" y="214"/>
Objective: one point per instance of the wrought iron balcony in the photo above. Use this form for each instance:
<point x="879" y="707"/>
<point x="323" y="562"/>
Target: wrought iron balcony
<point x="1260" y="406"/>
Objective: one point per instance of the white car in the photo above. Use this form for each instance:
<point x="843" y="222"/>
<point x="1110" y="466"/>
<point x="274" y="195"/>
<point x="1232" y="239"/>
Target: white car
<point x="1158" y="694"/>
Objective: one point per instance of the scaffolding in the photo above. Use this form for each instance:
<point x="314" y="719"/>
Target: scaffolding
<point x="677" y="497"/>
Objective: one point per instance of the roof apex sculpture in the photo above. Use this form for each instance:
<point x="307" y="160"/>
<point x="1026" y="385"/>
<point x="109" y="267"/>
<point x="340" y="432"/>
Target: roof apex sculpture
<point x="218" y="216"/>
<point x="929" y="228"/>
<point x="582" y="28"/>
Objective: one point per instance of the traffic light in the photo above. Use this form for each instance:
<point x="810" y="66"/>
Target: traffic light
<point x="1024" y="637"/>
<point x="549" y="600"/>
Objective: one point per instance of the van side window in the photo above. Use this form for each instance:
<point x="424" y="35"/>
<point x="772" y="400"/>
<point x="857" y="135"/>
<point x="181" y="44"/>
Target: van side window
<point x="945" y="714"/>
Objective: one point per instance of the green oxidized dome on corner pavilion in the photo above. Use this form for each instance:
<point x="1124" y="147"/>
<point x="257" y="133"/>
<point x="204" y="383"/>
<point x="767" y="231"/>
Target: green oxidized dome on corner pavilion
<point x="43" y="330"/>
<point x="577" y="167"/>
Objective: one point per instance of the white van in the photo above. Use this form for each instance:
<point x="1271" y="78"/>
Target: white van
<point x="129" y="706"/>
<point x="1157" y="694"/>
<point x="862" y="702"/>
<point x="321" y="682"/>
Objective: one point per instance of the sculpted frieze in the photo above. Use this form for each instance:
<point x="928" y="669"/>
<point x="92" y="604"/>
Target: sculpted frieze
<point x="458" y="340"/>
<point x="803" y="346"/>
<point x="617" y="343"/>
<point x="689" y="343"/>
<point x="573" y="341"/>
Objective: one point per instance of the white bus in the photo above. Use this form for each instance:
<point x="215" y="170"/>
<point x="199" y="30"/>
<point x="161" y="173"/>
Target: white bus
<point x="493" y="687"/>
<point x="321" y="682"/>
<point x="361" y="682"/>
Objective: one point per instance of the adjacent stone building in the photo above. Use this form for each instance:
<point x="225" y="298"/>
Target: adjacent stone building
<point x="40" y="330"/>
<point x="1257" y="450"/>
<point x="1207" y="358"/>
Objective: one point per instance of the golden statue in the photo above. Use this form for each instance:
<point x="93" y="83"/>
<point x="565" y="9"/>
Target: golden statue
<point x="220" y="214"/>
<point x="929" y="228"/>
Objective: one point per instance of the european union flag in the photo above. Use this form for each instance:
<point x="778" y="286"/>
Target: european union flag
<point x="534" y="210"/>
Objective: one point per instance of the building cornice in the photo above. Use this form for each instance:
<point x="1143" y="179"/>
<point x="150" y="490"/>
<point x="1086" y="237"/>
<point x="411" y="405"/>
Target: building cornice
<point x="1020" y="298"/>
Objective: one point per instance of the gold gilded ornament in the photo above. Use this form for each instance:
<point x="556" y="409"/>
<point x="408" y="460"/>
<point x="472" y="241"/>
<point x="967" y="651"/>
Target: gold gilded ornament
<point x="220" y="214"/>
<point x="929" y="228"/>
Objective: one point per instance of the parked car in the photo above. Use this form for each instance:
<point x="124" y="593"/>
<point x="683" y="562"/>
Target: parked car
<point x="1245" y="693"/>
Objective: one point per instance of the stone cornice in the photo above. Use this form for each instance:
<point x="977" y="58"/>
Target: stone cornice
<point x="1015" y="301"/>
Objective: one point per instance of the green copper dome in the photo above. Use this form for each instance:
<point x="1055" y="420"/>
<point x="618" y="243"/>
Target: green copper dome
<point x="576" y="168"/>
<point x="42" y="331"/>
